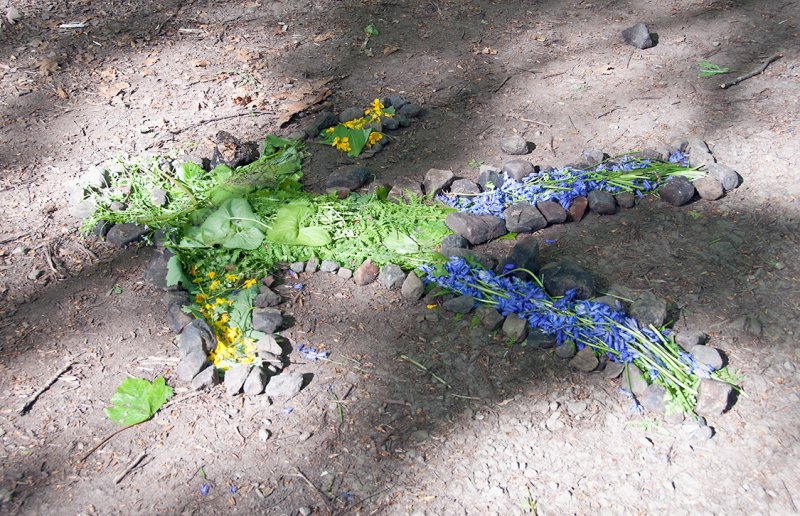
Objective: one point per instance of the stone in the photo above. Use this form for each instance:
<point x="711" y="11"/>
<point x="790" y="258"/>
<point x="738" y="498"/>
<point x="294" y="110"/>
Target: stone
<point x="515" y="145"/>
<point x="477" y="229"/>
<point x="489" y="317"/>
<point x="609" y="301"/>
<point x="552" y="211"/>
<point x="708" y="188"/>
<point x="633" y="380"/>
<point x="284" y="385"/>
<point x="156" y="272"/>
<point x="256" y="381"/>
<point x="725" y="175"/>
<point x="613" y="370"/>
<point x="638" y="36"/>
<point x="413" y="288"/>
<point x="524" y="255"/>
<point x="344" y="273"/>
<point x="322" y="121"/>
<point x="158" y="196"/>
<point x="267" y="298"/>
<point x="576" y="408"/>
<point x="82" y="209"/>
<point x="405" y="189"/>
<point x="713" y="397"/>
<point x="95" y="177"/>
<point x="523" y="217"/>
<point x="518" y="169"/>
<point x="748" y="323"/>
<point x="515" y="328"/>
<point x="699" y="153"/>
<point x="205" y="379"/>
<point x="585" y="360"/>
<point x="708" y="356"/>
<point x="350" y="178"/>
<point x="328" y="266"/>
<point x="366" y="273"/>
<point x="485" y="260"/>
<point x="268" y="344"/>
<point x="396" y="101"/>
<point x="566" y="350"/>
<point x="190" y="365"/>
<point x="687" y="339"/>
<point x="652" y="399"/>
<point x="197" y="337"/>
<point x="177" y="319"/>
<point x="677" y="191"/>
<point x="464" y="187"/>
<point x="175" y="297"/>
<point x="602" y="203"/>
<point x="267" y="320"/>
<point x="538" y="339"/>
<point x="410" y="110"/>
<point x="350" y="114"/>
<point x="459" y="305"/>
<point x="231" y="152"/>
<point x="312" y="265"/>
<point x="577" y="208"/>
<point x="489" y="177"/>
<point x="403" y="120"/>
<point x="298" y="267"/>
<point x="593" y="157"/>
<point x="390" y="123"/>
<point x="453" y="241"/>
<point x="626" y="199"/>
<point x="437" y="180"/>
<point x="391" y="276"/>
<point x="117" y="206"/>
<point x="566" y="274"/>
<point x="123" y="234"/>
<point x="235" y="378"/>
<point x="649" y="309"/>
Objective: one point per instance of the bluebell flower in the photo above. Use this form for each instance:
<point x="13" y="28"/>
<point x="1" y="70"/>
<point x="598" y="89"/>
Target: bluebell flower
<point x="204" y="489"/>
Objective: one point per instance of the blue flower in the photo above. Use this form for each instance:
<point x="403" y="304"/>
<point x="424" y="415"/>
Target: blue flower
<point x="204" y="489"/>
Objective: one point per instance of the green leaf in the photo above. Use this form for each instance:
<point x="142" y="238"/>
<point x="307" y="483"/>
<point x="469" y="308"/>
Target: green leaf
<point x="190" y="171"/>
<point x="400" y="243"/>
<point x="241" y="316"/>
<point x="233" y="225"/>
<point x="287" y="229"/>
<point x="508" y="236"/>
<point x="370" y="30"/>
<point x="709" y="69"/>
<point x="358" y="139"/>
<point x="137" y="400"/>
<point x="175" y="274"/>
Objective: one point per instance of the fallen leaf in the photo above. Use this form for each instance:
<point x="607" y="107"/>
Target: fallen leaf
<point x="242" y="101"/>
<point x="112" y="90"/>
<point x="150" y="61"/>
<point x="48" y="66"/>
<point x="291" y="109"/>
<point x="199" y="63"/>
<point x="390" y="50"/>
<point x="61" y="93"/>
<point x="488" y="51"/>
<point x="324" y="37"/>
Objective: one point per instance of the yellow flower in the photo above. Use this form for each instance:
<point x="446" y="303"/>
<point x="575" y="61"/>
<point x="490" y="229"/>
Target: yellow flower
<point x="211" y="275"/>
<point x="342" y="144"/>
<point x="207" y="307"/>
<point x="249" y="283"/>
<point x="220" y="301"/>
<point x="329" y="130"/>
<point x="199" y="298"/>
<point x="193" y="270"/>
<point x="231" y="277"/>
<point x="374" y="137"/>
<point x="214" y="285"/>
<point x="357" y="123"/>
<point x="224" y="318"/>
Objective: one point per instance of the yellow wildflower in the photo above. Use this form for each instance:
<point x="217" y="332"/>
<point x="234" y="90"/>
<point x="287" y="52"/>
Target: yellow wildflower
<point x="220" y="301"/>
<point x="207" y="307"/>
<point x="211" y="275"/>
<point x="199" y="298"/>
<point x="214" y="285"/>
<point x="374" y="137"/>
<point x="357" y="123"/>
<point x="329" y="130"/>
<point x="249" y="283"/>
<point x="224" y="318"/>
<point x="232" y="277"/>
<point x="342" y="144"/>
<point x="193" y="270"/>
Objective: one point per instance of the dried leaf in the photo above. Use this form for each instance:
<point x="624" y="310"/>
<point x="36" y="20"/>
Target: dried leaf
<point x="488" y="51"/>
<point x="291" y="109"/>
<point x="242" y="100"/>
<point x="109" y="74"/>
<point x="324" y="37"/>
<point x="112" y="90"/>
<point x="390" y="50"/>
<point x="61" y="93"/>
<point x="48" y="65"/>
<point x="150" y="61"/>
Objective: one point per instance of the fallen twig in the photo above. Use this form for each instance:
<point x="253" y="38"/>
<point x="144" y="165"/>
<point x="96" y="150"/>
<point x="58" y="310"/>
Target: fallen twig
<point x="325" y="498"/>
<point x="434" y="375"/>
<point x="104" y="441"/>
<point x="33" y="397"/>
<point x="755" y="72"/>
<point x="132" y="464"/>
<point x="502" y="83"/>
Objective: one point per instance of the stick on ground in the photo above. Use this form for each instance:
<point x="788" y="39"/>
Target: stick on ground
<point x="132" y="464"/>
<point x="33" y="397"/>
<point x="755" y="72"/>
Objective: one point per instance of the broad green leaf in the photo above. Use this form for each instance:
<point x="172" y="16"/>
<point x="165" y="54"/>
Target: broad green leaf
<point x="221" y="173"/>
<point x="233" y="225"/>
<point x="358" y="139"/>
<point x="400" y="243"/>
<point x="246" y="238"/>
<point x="137" y="400"/>
<point x="190" y="171"/>
<point x="313" y="236"/>
<point x="241" y="316"/>
<point x="220" y="194"/>
<point x="175" y="274"/>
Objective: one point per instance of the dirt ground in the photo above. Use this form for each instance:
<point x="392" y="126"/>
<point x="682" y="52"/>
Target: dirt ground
<point x="519" y="431"/>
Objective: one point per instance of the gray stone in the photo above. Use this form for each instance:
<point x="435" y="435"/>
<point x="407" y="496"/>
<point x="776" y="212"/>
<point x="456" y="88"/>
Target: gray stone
<point x="197" y="337"/>
<point x="464" y="187"/>
<point x="515" y="328"/>
<point x="518" y="169"/>
<point x="459" y="305"/>
<point x="410" y="110"/>
<point x="175" y="297"/>
<point x="396" y="101"/>
<point x="538" y="339"/>
<point x="713" y="397"/>
<point x="566" y="274"/>
<point x="708" y="356"/>
<point x="390" y="123"/>
<point x="350" y="179"/>
<point x="609" y="301"/>
<point x="638" y="36"/>
<point x="350" y="114"/>
<point x="123" y="234"/>
<point x="205" y="379"/>
<point x="413" y="288"/>
<point x="727" y="177"/>
<point x="156" y="273"/>
<point x="284" y="385"/>
<point x="613" y="370"/>
<point x="523" y="217"/>
<point x="231" y="151"/>
<point x="268" y="344"/>
<point x="454" y="241"/>
<point x="687" y="339"/>
<point x="298" y="267"/>
<point x="633" y="380"/>
<point x="190" y="365"/>
<point x="699" y="153"/>
<point x="649" y="309"/>
<point x="514" y="144"/>
<point x="366" y="273"/>
<point x="82" y="209"/>
<point x="485" y="260"/>
<point x="652" y="399"/>
<point x="566" y="350"/>
<point x="524" y="255"/>
<point x="437" y="180"/>
<point x="95" y="177"/>
<point x="235" y="378"/>
<point x="585" y="360"/>
<point x="271" y="359"/>
<point x="267" y="320"/>
<point x="576" y="408"/>
<point x="256" y="381"/>
<point x="626" y="199"/>
<point x="117" y="206"/>
<point x="405" y="189"/>
<point x="677" y="191"/>
<point x="602" y="203"/>
<point x="593" y="157"/>
<point x="267" y="298"/>
<point x="322" y="121"/>
<point x="177" y="319"/>
<point x="391" y="276"/>
<point x="311" y="265"/>
<point x="403" y="120"/>
<point x="553" y="212"/>
<point x="489" y="177"/>
<point x="329" y="266"/>
<point x="708" y="188"/>
<point x="477" y="229"/>
<point x="158" y="196"/>
<point x="489" y="317"/>
<point x="344" y="273"/>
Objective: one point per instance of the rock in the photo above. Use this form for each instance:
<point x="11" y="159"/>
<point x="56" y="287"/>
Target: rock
<point x="593" y="157"/>
<point x="699" y="153"/>
<point x="552" y="211"/>
<point x="235" y="378"/>
<point x="514" y="144"/>
<point x="566" y="350"/>
<point x="269" y="344"/>
<point x="585" y="360"/>
<point x="256" y="381"/>
<point x="464" y="187"/>
<point x="312" y="265"/>
<point x="613" y="370"/>
<point x="403" y="120"/>
<point x="648" y="309"/>
<point x="725" y="175"/>
<point x="437" y="180"/>
<point x="524" y="255"/>
<point x="95" y="177"/>
<point x="412" y="289"/>
<point x="405" y="189"/>
<point x="117" y="206"/>
<point x="453" y="241"/>
<point x="697" y="431"/>
<point x="82" y="209"/>
<point x="350" y="114"/>
<point x="322" y="121"/>
<point x="344" y="273"/>
<point x="713" y="397"/>
<point x="687" y="339"/>
<point x="633" y="380"/>
<point x="708" y="356"/>
<point x="158" y="196"/>
<point x="524" y="218"/>
<point x="748" y="323"/>
<point x="389" y="123"/>
<point x="396" y="101"/>
<point x="284" y="385"/>
<point x="197" y="337"/>
<point x="298" y="267"/>
<point x="518" y="169"/>
<point x="538" y="339"/>
<point x="232" y="152"/>
<point x="485" y="260"/>
<point x="609" y="301"/>
<point x="638" y="36"/>
<point x="626" y="199"/>
<point x="177" y="319"/>
<point x="175" y="297"/>
<point x="410" y="110"/>
<point x="329" y="266"/>
<point x="156" y="273"/>
<point x="566" y="274"/>
<point x="267" y="298"/>
<point x="652" y="399"/>
<point x="677" y="191"/>
<point x="459" y="305"/>
<point x="267" y="320"/>
<point x="205" y="379"/>
<point x="515" y="328"/>
<point x="350" y="179"/>
<point x="190" y="365"/>
<point x="391" y="276"/>
<point x="576" y="408"/>
<point x="123" y="234"/>
<point x="366" y="273"/>
<point x="477" y="229"/>
<point x="602" y="203"/>
<point x="489" y="177"/>
<point x="708" y="188"/>
<point x="577" y="208"/>
<point x="489" y="317"/>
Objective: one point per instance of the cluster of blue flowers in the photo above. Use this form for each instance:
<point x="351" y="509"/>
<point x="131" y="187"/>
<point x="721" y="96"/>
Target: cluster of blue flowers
<point x="565" y="184"/>
<point x="312" y="354"/>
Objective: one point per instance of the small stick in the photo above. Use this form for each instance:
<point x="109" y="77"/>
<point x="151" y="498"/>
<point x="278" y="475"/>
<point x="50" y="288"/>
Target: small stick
<point x="132" y="464"/>
<point x="434" y="375"/>
<point x="755" y="72"/>
<point x="528" y="120"/>
<point x="104" y="441"/>
<point x="502" y="83"/>
<point x="302" y="475"/>
<point x="33" y="397"/>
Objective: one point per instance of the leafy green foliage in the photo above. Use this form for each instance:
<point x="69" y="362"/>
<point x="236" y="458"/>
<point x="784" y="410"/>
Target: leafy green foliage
<point x="137" y="400"/>
<point x="709" y="69"/>
<point x="175" y="274"/>
<point x="287" y="227"/>
<point x="233" y="225"/>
